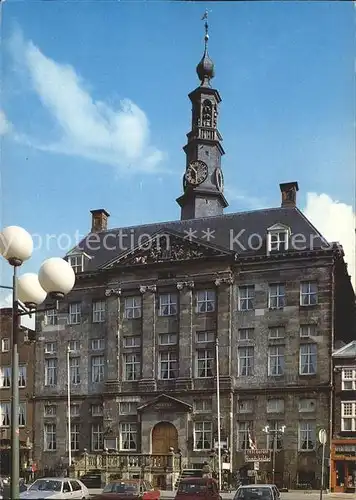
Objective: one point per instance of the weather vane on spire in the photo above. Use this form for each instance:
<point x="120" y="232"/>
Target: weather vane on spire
<point x="206" y="25"/>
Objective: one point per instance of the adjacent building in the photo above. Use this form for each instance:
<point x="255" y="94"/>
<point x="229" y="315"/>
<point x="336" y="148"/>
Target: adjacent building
<point x="143" y="319"/>
<point x="26" y="384"/>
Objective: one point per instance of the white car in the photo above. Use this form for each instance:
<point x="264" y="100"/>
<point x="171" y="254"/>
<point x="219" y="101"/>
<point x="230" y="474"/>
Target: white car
<point x="55" y="488"/>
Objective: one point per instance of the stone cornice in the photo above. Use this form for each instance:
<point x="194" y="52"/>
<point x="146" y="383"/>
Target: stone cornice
<point x="147" y="288"/>
<point x="185" y="284"/>
<point x="109" y="292"/>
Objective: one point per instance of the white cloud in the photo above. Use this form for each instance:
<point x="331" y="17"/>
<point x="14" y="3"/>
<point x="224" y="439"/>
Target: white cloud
<point x="5" y="126"/>
<point x="245" y="201"/>
<point x="5" y="299"/>
<point x="89" y="128"/>
<point x="336" y="222"/>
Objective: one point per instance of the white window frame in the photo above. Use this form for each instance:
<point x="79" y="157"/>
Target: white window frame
<point x="348" y="379"/>
<point x="168" y="365"/>
<point x="205" y="336"/>
<point x="168" y="303"/>
<point x="129" y="435"/>
<point x="97" y="436"/>
<point x="5" y="414"/>
<point x="246" y="334"/>
<point x="50" y="437"/>
<point x="276" y="296"/>
<point x="74" y="368"/>
<point x="278" y="240"/>
<point x="74" y="436"/>
<point x="74" y="345"/>
<point x="51" y="317"/>
<point x="246" y="353"/>
<point x="22" y="376"/>
<point x="307" y="428"/>
<point x="5" y="344"/>
<point x="99" y="310"/>
<point x="276" y="352"/>
<point x="97" y="410"/>
<point x="74" y="410"/>
<point x="275" y="405"/>
<point x="243" y="429"/>
<point x="307" y="331"/>
<point x="308" y="293"/>
<point x="51" y="347"/>
<point x="276" y="332"/>
<point x="274" y="425"/>
<point x="5" y="377"/>
<point x="206" y="300"/>
<point x="205" y="360"/>
<point x="132" y="341"/>
<point x="128" y="407"/>
<point x="75" y="313"/>
<point x="348" y="414"/>
<point x="51" y="372"/>
<point x="203" y="433"/>
<point x="246" y="298"/>
<point x="309" y="361"/>
<point x="22" y="414"/>
<point x="76" y="261"/>
<point x="245" y="406"/>
<point x="97" y="365"/>
<point x="50" y="410"/>
<point x="133" y="307"/>
<point x="132" y="360"/>
<point x="168" y="339"/>
<point x="97" y="344"/>
<point x="203" y="406"/>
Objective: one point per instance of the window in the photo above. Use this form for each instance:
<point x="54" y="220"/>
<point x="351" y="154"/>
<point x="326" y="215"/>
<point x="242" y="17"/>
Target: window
<point x="245" y="406"/>
<point x="246" y="333"/>
<point x="51" y="317"/>
<point x="205" y="337"/>
<point x="132" y="364"/>
<point x="246" y="361"/>
<point x="246" y="298"/>
<point x="5" y="414"/>
<point x="276" y="297"/>
<point x="5" y="376"/>
<point x="307" y="359"/>
<point x="99" y="311"/>
<point x="133" y="307"/>
<point x="306" y="435"/>
<point x="74" y="368"/>
<point x="97" y="369"/>
<point x="205" y="363"/>
<point x="75" y="410"/>
<point x="50" y="347"/>
<point x="97" y="344"/>
<point x="22" y="415"/>
<point x="348" y="416"/>
<point x="75" y="313"/>
<point x="50" y="437"/>
<point x="97" y="437"/>
<point x="243" y="432"/>
<point x="128" y="437"/>
<point x="307" y="405"/>
<point x="5" y="345"/>
<point x="74" y="345"/>
<point x="203" y="436"/>
<point x="132" y="341"/>
<point x="97" y="410"/>
<point x="167" y="304"/>
<point x="276" y="332"/>
<point x="307" y="331"/>
<point x="22" y="375"/>
<point x="168" y="365"/>
<point x="74" y="437"/>
<point x="50" y="411"/>
<point x="77" y="263"/>
<point x="205" y="301"/>
<point x="278" y="241"/>
<point x="168" y="339"/>
<point x="348" y="379"/>
<point x="274" y="438"/>
<point x="308" y="293"/>
<point x="203" y="405"/>
<point x="275" y="406"/>
<point x="128" y="408"/>
<point x="51" y="371"/>
<point x="275" y="360"/>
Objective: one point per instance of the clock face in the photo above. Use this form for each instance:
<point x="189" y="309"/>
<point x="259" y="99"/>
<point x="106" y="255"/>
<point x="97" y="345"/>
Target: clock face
<point x="196" y="173"/>
<point x="219" y="179"/>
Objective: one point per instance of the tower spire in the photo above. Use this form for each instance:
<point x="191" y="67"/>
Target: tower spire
<point x="205" y="68"/>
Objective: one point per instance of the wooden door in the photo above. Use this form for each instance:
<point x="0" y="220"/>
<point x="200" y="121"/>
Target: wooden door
<point x="164" y="437"/>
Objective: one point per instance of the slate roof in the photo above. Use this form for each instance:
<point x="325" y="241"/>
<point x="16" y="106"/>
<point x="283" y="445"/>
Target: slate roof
<point x="250" y="228"/>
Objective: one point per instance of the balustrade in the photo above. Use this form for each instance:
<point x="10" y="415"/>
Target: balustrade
<point x="126" y="462"/>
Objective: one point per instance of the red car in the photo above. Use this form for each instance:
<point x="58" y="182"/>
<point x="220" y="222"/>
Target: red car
<point x="128" y="489"/>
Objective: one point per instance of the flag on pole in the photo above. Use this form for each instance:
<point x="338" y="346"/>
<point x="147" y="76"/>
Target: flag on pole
<point x="251" y="441"/>
<point x="205" y="16"/>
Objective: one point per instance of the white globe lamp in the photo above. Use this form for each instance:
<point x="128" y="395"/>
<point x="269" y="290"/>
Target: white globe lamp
<point x="56" y="277"/>
<point x="29" y="290"/>
<point x="16" y="245"/>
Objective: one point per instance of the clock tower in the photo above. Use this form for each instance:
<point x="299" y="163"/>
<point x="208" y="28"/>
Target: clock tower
<point x="203" y="182"/>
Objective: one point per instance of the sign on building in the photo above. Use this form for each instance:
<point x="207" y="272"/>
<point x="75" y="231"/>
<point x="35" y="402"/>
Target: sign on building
<point x="257" y="455"/>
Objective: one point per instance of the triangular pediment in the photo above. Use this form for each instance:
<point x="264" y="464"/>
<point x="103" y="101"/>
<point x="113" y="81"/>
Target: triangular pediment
<point x="167" y="246"/>
<point x="346" y="351"/>
<point x="165" y="403"/>
<point x="278" y="227"/>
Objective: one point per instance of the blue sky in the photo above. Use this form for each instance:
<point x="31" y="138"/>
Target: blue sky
<point x="285" y="71"/>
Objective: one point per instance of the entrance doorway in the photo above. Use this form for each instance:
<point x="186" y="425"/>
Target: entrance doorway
<point x="345" y="480"/>
<point x="164" y="437"/>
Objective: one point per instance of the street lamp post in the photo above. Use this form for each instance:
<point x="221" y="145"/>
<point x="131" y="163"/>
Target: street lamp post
<point x="275" y="433"/>
<point x="56" y="278"/>
<point x="69" y="437"/>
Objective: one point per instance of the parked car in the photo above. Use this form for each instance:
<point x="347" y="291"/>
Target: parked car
<point x="189" y="473"/>
<point x="60" y="488"/>
<point x="92" y="479"/>
<point x="129" y="489"/>
<point x="195" y="488"/>
<point x="5" y="489"/>
<point x="257" y="492"/>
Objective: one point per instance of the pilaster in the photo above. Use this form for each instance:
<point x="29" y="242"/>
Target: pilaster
<point x="224" y="294"/>
<point x="113" y="326"/>
<point x="186" y="312"/>
<point x="149" y="361"/>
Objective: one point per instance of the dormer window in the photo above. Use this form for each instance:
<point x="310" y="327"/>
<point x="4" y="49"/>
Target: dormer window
<point x="77" y="262"/>
<point x="278" y="238"/>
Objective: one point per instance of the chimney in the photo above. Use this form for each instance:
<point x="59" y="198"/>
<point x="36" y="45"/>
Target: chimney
<point x="289" y="194"/>
<point x="99" y="220"/>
